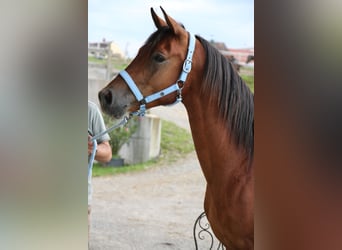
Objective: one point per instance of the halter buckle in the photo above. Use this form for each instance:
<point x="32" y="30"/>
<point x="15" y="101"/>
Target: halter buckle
<point x="187" y="65"/>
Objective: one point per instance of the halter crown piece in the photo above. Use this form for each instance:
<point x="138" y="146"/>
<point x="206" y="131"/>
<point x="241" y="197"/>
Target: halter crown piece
<point x="173" y="88"/>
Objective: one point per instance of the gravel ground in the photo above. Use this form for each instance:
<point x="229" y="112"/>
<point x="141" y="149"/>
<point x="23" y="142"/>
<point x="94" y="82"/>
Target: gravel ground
<point x="152" y="209"/>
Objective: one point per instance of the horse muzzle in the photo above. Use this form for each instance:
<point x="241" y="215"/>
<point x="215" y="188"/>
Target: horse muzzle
<point x="113" y="104"/>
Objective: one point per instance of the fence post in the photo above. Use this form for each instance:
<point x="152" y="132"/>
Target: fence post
<point x="145" y="142"/>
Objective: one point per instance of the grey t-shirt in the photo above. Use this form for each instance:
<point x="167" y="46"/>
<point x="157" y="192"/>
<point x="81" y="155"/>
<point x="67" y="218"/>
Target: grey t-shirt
<point x="95" y="122"/>
<point x="95" y="126"/>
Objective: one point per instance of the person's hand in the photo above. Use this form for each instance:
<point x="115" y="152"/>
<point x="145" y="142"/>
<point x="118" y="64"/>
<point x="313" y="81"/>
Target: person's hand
<point x="90" y="145"/>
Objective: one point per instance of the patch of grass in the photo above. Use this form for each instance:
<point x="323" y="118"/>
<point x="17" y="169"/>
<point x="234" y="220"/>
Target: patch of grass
<point x="116" y="63"/>
<point x="99" y="170"/>
<point x="175" y="143"/>
<point x="119" y="66"/>
<point x="96" y="60"/>
<point x="249" y="80"/>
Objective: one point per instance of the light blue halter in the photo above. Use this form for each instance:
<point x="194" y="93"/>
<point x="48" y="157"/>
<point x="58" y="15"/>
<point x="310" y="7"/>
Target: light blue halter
<point x="173" y="88"/>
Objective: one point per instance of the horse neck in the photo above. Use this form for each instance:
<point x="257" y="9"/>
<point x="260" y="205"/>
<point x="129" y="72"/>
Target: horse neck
<point x="217" y="153"/>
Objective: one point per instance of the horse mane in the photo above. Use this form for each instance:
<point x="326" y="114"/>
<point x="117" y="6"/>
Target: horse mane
<point x="234" y="99"/>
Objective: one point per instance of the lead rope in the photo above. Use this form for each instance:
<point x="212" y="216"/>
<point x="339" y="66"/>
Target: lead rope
<point x="123" y="122"/>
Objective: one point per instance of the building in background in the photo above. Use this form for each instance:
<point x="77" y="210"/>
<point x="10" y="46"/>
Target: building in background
<point x="236" y="56"/>
<point x="101" y="49"/>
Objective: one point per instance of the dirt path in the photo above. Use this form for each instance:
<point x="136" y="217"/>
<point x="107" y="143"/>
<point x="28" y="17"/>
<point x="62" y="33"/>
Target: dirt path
<point x="153" y="209"/>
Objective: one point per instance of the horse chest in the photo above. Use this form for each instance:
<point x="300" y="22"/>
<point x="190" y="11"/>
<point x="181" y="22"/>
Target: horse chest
<point x="229" y="208"/>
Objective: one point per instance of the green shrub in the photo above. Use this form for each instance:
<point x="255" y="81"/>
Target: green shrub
<point x="121" y="135"/>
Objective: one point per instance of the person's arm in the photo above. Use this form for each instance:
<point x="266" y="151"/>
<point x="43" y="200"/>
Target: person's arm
<point x="103" y="151"/>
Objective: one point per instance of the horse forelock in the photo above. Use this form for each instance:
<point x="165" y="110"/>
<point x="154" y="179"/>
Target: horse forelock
<point x="234" y="99"/>
<point x="156" y="37"/>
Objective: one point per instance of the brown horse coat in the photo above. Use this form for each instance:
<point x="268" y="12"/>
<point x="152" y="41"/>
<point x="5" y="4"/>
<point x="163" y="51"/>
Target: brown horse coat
<point x="221" y="114"/>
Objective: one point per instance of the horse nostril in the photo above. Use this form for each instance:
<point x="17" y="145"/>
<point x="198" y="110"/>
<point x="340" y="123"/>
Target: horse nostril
<point x="106" y="97"/>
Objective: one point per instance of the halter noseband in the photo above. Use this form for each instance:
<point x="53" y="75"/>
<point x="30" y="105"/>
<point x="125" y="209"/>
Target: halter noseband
<point x="173" y="88"/>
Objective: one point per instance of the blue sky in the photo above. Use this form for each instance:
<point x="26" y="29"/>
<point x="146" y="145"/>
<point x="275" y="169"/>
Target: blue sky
<point x="129" y="22"/>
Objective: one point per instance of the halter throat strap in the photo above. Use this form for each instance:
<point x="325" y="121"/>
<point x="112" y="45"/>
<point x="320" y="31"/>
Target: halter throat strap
<point x="173" y="88"/>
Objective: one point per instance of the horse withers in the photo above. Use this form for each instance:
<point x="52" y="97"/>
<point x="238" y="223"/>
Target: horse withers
<point x="175" y="66"/>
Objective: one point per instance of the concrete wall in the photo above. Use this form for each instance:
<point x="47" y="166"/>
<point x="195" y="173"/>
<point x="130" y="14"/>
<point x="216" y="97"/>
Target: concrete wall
<point x="94" y="86"/>
<point x="145" y="142"/>
<point x="97" y="79"/>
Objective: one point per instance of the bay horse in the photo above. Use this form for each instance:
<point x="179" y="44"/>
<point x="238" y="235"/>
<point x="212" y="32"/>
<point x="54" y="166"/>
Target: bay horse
<point x="175" y="66"/>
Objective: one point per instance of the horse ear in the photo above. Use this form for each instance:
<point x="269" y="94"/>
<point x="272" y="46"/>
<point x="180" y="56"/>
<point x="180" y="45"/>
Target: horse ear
<point x="158" y="22"/>
<point x="175" y="26"/>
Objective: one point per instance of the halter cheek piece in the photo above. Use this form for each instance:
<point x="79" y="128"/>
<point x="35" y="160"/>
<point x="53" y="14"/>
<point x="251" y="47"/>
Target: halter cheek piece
<point x="173" y="88"/>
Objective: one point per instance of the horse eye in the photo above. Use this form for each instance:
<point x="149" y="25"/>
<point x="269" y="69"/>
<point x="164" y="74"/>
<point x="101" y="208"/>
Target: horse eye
<point x="159" y="58"/>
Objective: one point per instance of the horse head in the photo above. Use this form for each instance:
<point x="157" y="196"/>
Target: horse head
<point x="154" y="77"/>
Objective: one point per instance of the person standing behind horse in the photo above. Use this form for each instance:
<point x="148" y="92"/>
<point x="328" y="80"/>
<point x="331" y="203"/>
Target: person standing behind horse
<point x="104" y="151"/>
